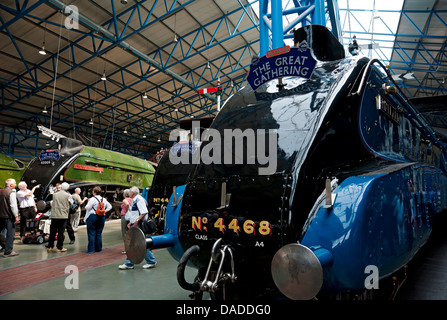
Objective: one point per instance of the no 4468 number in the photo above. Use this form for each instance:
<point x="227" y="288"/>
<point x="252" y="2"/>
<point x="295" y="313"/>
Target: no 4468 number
<point x="249" y="226"/>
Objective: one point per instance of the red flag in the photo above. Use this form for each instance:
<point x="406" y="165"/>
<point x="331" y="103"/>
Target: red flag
<point x="209" y="90"/>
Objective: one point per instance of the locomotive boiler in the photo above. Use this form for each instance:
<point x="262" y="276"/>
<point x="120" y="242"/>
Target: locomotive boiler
<point x="85" y="167"/>
<point x="305" y="186"/>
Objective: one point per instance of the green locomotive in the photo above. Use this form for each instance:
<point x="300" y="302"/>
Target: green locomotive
<point x="86" y="167"/>
<point x="10" y="168"/>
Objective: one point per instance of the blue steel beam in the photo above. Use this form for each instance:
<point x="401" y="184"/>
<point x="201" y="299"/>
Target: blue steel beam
<point x="11" y="37"/>
<point x="122" y="145"/>
<point x="121" y="41"/>
<point x="235" y="68"/>
<point x="135" y="120"/>
<point x="19" y="12"/>
<point x="153" y="54"/>
<point x="107" y="37"/>
<point x="232" y="34"/>
<point x="411" y="56"/>
<point x="321" y="12"/>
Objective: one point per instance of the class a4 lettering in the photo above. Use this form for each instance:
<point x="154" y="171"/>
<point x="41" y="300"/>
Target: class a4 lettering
<point x="201" y="237"/>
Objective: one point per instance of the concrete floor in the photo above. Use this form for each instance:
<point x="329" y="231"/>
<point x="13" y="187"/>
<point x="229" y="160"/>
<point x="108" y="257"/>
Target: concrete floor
<point x="103" y="282"/>
<point x="100" y="278"/>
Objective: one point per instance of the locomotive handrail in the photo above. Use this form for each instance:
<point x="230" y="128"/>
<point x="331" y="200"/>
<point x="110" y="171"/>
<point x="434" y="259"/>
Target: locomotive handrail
<point x="429" y="131"/>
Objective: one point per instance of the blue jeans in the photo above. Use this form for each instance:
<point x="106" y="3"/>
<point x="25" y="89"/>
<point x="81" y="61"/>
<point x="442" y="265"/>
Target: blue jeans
<point x="95" y="225"/>
<point x="150" y="258"/>
<point x="7" y="224"/>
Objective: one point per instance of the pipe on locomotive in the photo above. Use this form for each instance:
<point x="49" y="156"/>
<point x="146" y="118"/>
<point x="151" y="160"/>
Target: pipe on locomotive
<point x="136" y="243"/>
<point x="160" y="241"/>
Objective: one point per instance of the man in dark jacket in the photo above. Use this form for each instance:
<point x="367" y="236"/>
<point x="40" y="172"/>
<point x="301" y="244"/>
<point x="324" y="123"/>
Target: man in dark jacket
<point x="9" y="215"/>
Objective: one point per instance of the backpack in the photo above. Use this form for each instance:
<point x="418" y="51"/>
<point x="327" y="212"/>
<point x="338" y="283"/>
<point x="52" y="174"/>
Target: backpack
<point x="100" y="208"/>
<point x="73" y="207"/>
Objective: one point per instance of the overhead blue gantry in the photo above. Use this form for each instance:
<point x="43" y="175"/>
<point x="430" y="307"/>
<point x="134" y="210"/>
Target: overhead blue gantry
<point x="310" y="12"/>
<point x="273" y="19"/>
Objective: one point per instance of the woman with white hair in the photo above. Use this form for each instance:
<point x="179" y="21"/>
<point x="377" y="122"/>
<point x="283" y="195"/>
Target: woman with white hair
<point x="137" y="213"/>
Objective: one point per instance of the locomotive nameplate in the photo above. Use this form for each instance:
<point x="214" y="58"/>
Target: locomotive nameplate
<point x="388" y="109"/>
<point x="88" y="168"/>
<point x="46" y="156"/>
<point x="297" y="62"/>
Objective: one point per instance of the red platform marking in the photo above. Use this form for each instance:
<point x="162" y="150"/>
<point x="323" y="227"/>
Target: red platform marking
<point x="17" y="278"/>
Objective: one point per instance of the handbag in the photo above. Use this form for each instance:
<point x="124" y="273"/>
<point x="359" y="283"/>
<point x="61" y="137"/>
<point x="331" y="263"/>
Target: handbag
<point x="148" y="226"/>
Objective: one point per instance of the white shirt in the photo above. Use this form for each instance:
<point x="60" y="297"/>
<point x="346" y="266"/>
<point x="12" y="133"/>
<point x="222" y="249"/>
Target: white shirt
<point x="92" y="204"/>
<point x="138" y="208"/>
<point x="25" y="202"/>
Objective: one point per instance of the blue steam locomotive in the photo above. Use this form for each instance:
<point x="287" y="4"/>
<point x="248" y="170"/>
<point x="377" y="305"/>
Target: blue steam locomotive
<point x="346" y="200"/>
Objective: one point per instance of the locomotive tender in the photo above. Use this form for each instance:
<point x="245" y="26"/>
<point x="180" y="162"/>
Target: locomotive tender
<point x="359" y="177"/>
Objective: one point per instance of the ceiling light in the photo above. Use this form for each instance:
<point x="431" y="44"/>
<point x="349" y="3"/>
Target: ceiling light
<point x="42" y="51"/>
<point x="208" y="66"/>
<point x="159" y="139"/>
<point x="145" y="95"/>
<point x="103" y="78"/>
<point x="50" y="133"/>
<point x="175" y="38"/>
<point x="125" y="130"/>
<point x="144" y="136"/>
<point x="91" y="121"/>
<point x="45" y="109"/>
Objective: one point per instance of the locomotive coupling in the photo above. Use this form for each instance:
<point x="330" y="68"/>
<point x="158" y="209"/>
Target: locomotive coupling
<point x="298" y="271"/>
<point x="215" y="276"/>
<point x="218" y="255"/>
